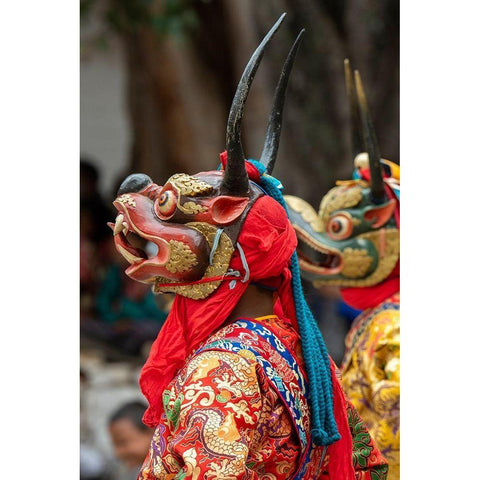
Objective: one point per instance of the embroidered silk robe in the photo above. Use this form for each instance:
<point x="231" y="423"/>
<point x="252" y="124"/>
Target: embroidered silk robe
<point x="223" y="419"/>
<point x="371" y="376"/>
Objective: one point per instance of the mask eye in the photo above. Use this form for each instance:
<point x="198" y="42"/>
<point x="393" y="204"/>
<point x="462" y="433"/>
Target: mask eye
<point x="339" y="227"/>
<point x="166" y="204"/>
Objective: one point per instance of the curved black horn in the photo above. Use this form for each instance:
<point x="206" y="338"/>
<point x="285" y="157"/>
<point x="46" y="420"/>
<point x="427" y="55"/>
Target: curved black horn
<point x="235" y="180"/>
<point x="355" y="124"/>
<point x="272" y="139"/>
<point x="376" y="182"/>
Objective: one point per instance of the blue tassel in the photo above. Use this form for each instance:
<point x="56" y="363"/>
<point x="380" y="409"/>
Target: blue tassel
<point x="324" y="428"/>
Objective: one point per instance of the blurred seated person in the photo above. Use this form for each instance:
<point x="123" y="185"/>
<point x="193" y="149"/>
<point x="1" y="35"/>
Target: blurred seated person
<point x="130" y="438"/>
<point x="94" y="234"/>
<point x="129" y="314"/>
<point x="92" y="464"/>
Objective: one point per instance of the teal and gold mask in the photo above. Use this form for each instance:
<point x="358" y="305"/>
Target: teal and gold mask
<point x="353" y="239"/>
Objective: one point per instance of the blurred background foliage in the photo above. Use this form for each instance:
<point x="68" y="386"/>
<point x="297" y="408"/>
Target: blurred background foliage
<point x="182" y="60"/>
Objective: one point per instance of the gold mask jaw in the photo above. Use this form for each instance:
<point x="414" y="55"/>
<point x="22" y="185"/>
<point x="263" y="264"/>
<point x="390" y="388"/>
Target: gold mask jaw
<point x="357" y="261"/>
<point x="218" y="267"/>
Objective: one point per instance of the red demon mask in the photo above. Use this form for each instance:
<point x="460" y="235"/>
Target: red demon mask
<point x="194" y="221"/>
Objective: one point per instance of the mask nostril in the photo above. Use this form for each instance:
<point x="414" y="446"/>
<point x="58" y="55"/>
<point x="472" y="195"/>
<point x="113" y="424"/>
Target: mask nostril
<point x="134" y="183"/>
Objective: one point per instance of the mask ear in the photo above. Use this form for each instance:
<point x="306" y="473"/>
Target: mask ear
<point x="226" y="209"/>
<point x="381" y="214"/>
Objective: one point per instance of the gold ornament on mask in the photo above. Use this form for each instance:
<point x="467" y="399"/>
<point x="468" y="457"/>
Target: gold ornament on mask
<point x="127" y="199"/>
<point x="360" y="262"/>
<point x="306" y="211"/>
<point x="219" y="266"/>
<point x="181" y="257"/>
<point x="338" y="198"/>
<point x="356" y="262"/>
<point x="191" y="208"/>
<point x="190" y="186"/>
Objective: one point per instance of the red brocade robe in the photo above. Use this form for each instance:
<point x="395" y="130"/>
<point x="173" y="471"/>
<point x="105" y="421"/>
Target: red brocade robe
<point x="224" y="419"/>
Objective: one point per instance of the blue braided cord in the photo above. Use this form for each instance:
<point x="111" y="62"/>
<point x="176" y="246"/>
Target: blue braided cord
<point x="216" y="241"/>
<point x="244" y="263"/>
<point x="324" y="428"/>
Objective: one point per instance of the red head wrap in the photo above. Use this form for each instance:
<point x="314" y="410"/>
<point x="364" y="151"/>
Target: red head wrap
<point x="268" y="241"/>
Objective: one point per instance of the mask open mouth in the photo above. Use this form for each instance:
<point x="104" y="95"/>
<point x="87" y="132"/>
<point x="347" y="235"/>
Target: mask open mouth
<point x="132" y="246"/>
<point x="315" y="257"/>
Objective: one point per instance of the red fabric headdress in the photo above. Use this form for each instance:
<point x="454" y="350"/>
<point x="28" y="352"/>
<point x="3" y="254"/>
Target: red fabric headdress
<point x="268" y="241"/>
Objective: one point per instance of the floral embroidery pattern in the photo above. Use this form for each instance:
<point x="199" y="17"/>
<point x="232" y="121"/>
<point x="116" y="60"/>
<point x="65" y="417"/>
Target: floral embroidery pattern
<point x="371" y="376"/>
<point x="226" y="418"/>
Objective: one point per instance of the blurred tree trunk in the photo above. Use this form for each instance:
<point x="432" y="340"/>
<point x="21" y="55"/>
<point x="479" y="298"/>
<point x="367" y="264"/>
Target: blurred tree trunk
<point x="161" y="131"/>
<point x="245" y="37"/>
<point x="180" y="89"/>
<point x="315" y="147"/>
<point x="170" y="131"/>
<point x="177" y="98"/>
